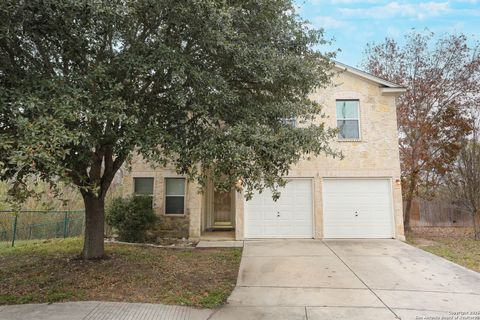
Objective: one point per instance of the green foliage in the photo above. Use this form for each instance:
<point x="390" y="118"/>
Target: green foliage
<point x="215" y="298"/>
<point x="50" y="246"/>
<point x="131" y="217"/>
<point x="203" y="84"/>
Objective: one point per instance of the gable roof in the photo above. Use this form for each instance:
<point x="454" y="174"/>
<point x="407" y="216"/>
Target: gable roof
<point x="385" y="86"/>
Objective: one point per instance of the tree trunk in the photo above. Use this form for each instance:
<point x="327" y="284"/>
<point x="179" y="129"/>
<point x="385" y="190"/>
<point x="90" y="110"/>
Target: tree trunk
<point x="408" y="206"/>
<point x="93" y="246"/>
<point x="476" y="227"/>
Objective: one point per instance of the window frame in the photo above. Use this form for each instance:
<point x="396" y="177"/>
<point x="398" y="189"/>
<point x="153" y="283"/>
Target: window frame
<point x="143" y="194"/>
<point x="346" y="119"/>
<point x="152" y="196"/>
<point x="164" y="211"/>
<point x="290" y="121"/>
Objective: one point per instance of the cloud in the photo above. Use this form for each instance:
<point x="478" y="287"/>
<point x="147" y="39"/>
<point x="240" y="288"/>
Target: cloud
<point x="334" y="2"/>
<point x="355" y="1"/>
<point x="393" y="32"/>
<point x="328" y="22"/>
<point x="420" y="10"/>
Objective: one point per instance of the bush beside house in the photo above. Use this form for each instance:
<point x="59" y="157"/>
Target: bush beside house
<point x="131" y="217"/>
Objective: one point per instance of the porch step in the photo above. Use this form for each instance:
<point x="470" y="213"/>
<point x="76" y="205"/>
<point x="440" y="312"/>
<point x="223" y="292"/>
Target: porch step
<point x="218" y="235"/>
<point x="216" y="228"/>
<point x="223" y="223"/>
<point x="222" y="226"/>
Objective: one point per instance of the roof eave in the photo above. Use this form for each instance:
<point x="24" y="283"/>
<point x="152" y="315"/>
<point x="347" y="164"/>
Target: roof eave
<point x="369" y="77"/>
<point x="392" y="91"/>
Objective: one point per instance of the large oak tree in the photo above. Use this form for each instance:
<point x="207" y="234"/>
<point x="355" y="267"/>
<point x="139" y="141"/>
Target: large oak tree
<point x="434" y="114"/>
<point x="203" y="84"/>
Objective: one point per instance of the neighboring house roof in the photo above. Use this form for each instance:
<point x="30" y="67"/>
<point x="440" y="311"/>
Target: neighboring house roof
<point x="387" y="87"/>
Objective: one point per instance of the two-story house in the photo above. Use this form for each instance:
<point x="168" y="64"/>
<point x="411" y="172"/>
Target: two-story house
<point x="356" y="197"/>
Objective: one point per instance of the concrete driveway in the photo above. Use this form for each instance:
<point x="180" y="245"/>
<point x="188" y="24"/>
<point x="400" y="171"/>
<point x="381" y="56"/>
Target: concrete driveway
<point x="348" y="279"/>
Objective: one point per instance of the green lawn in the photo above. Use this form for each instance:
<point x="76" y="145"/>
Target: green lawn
<point x="49" y="271"/>
<point x="463" y="251"/>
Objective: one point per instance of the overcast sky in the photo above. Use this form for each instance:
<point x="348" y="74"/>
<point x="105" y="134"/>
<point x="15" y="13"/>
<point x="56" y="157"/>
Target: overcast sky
<point x="354" y="23"/>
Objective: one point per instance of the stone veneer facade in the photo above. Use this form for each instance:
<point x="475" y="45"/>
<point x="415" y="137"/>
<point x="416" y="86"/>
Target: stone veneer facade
<point x="168" y="226"/>
<point x="375" y="154"/>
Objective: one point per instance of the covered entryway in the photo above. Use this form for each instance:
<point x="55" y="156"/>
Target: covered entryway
<point x="222" y="210"/>
<point x="219" y="214"/>
<point x="290" y="216"/>
<point x="357" y="208"/>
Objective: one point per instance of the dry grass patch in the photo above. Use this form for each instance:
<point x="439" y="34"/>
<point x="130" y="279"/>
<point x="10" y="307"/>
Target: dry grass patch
<point x="463" y="251"/>
<point x="49" y="271"/>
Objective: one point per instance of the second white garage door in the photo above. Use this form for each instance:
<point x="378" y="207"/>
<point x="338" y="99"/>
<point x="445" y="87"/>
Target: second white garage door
<point x="357" y="208"/>
<point x="289" y="217"/>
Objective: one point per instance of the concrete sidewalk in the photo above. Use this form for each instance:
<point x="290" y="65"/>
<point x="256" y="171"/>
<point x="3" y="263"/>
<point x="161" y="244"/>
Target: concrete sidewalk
<point x="92" y="310"/>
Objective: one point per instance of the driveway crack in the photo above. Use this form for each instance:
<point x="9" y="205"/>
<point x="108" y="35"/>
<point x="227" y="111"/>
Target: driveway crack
<point x="356" y="275"/>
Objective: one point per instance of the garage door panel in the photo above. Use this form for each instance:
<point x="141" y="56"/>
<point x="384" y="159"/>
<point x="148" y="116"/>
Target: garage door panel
<point x="357" y="208"/>
<point x="289" y="217"/>
<point x="256" y="229"/>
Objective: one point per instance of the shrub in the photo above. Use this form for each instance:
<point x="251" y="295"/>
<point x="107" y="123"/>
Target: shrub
<point x="131" y="217"/>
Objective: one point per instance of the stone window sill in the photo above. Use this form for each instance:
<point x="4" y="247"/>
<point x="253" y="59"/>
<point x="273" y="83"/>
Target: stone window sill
<point x="349" y="140"/>
<point x="173" y="215"/>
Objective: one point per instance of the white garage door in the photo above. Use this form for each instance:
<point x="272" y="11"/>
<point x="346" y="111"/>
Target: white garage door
<point x="357" y="208"/>
<point x="289" y="217"/>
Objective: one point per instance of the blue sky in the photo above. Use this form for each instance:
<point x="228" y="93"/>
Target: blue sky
<point x="354" y="23"/>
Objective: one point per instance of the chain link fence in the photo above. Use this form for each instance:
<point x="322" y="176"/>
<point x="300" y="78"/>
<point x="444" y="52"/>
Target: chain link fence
<point x="30" y="225"/>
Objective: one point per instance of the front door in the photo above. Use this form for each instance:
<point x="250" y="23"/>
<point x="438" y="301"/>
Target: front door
<point x="222" y="210"/>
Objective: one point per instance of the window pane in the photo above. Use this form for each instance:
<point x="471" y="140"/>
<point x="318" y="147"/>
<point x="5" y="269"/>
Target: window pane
<point x="289" y="121"/>
<point x="144" y="186"/>
<point x="174" y="205"/>
<point x="348" y="129"/>
<point x="347" y="109"/>
<point x="175" y="186"/>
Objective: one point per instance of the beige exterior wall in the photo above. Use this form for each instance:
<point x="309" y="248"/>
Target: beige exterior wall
<point x="178" y="226"/>
<point x="374" y="155"/>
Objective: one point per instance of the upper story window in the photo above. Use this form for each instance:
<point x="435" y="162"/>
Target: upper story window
<point x="174" y="196"/>
<point x="348" y="119"/>
<point x="143" y="186"/>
